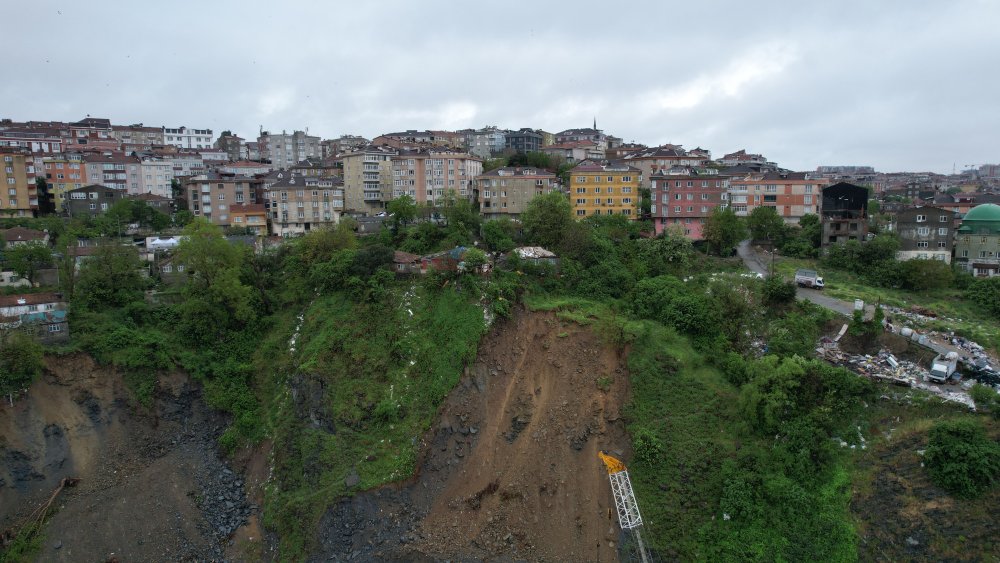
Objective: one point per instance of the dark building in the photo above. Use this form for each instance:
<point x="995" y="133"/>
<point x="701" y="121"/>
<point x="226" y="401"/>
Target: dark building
<point x="92" y="200"/>
<point x="525" y="140"/>
<point x="844" y="209"/>
<point x="925" y="232"/>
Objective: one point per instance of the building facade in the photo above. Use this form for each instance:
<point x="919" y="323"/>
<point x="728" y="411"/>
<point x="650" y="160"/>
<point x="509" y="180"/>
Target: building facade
<point x="977" y="243"/>
<point x="184" y="138"/>
<point x="368" y="179"/>
<point x="137" y="138"/>
<point x="505" y="192"/>
<point x="664" y="157"/>
<point x="792" y="194"/>
<point x="91" y="201"/>
<point x="17" y="180"/>
<point x="64" y="172"/>
<point x="925" y="233"/>
<point x="844" y="213"/>
<point x="523" y="140"/>
<point x="485" y="142"/>
<point x="685" y="197"/>
<point x="114" y="170"/>
<point x="604" y="189"/>
<point x="155" y="177"/>
<point x="284" y="149"/>
<point x="298" y="204"/>
<point x="211" y="195"/>
<point x="428" y="176"/>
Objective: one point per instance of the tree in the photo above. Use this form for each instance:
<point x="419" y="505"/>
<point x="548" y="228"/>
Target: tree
<point x="794" y="335"/>
<point x="498" y="234"/>
<point x="546" y="218"/>
<point x="777" y="291"/>
<point x="986" y="399"/>
<point x="764" y="223"/>
<point x="110" y="278"/>
<point x="723" y="230"/>
<point x="474" y="259"/>
<point x="922" y="275"/>
<point x="27" y="258"/>
<point x="986" y="294"/>
<point x="403" y="209"/>
<point x="20" y="363"/>
<point x="216" y="297"/>
<point x="962" y="459"/>
<point x="494" y="163"/>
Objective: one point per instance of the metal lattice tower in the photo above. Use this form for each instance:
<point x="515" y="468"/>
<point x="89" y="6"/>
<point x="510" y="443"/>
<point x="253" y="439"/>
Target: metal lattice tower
<point x="628" y="509"/>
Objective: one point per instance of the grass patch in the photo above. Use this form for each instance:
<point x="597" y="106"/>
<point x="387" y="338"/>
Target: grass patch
<point x="363" y="385"/>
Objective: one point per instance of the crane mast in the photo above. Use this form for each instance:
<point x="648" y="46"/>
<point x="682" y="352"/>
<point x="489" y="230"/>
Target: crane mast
<point x="629" y="517"/>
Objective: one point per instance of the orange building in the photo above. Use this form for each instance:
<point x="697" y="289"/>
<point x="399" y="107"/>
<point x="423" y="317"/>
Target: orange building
<point x="791" y="194"/>
<point x="19" y="197"/>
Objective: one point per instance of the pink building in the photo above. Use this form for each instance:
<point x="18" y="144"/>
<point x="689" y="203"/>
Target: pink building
<point x="685" y="197"/>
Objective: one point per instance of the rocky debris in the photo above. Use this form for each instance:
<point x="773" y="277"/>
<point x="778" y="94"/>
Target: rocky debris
<point x="223" y="499"/>
<point x="906" y="321"/>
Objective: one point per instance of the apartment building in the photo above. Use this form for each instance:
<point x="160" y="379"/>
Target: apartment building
<point x="211" y="195"/>
<point x="604" y="189"/>
<point x="925" y="232"/>
<point x="137" y="138"/>
<point x="90" y="201"/>
<point x="792" y="194"/>
<point x="17" y="180"/>
<point x="114" y="170"/>
<point x="505" y="192"/>
<point x="64" y="172"/>
<point x="297" y="204"/>
<point x="184" y="138"/>
<point x="593" y="135"/>
<point x="575" y="151"/>
<point x="523" y="140"/>
<point x="685" y="197"/>
<point x="844" y="213"/>
<point x="664" y="157"/>
<point x="155" y="177"/>
<point x="91" y="133"/>
<point x="36" y="141"/>
<point x="284" y="149"/>
<point x="368" y="179"/>
<point x="428" y="175"/>
<point x="234" y="145"/>
<point x="485" y="142"/>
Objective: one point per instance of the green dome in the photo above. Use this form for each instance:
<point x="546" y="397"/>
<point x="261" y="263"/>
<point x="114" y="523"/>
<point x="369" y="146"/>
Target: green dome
<point x="985" y="212"/>
<point x="982" y="219"/>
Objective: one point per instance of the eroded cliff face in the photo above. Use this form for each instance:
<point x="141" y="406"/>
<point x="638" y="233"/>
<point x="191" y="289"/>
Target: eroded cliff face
<point x="152" y="484"/>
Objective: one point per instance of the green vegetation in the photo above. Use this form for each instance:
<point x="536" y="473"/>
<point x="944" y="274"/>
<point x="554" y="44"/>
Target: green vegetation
<point x="20" y="362"/>
<point x="26" y="259"/>
<point x="962" y="459"/>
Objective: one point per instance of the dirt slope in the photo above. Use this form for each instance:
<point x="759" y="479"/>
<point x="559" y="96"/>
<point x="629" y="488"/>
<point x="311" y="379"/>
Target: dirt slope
<point x="152" y="485"/>
<point x="511" y="471"/>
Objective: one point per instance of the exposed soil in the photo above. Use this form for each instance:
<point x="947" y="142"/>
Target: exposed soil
<point x="511" y="471"/>
<point x="902" y="516"/>
<point x="153" y="487"/>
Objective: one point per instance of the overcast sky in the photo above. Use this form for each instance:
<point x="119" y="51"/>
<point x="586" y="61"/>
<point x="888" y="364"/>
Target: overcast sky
<point x="890" y="84"/>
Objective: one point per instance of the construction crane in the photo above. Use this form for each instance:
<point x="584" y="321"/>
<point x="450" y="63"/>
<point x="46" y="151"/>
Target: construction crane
<point x="628" y="509"/>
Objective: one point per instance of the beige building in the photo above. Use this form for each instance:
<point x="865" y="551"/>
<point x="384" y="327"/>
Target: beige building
<point x="285" y="149"/>
<point x="137" y="137"/>
<point x="297" y="204"/>
<point x="368" y="179"/>
<point x="655" y="159"/>
<point x="19" y="197"/>
<point x="505" y="192"/>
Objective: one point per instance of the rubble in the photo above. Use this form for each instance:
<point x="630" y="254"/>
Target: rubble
<point x="971" y="352"/>
<point x="886" y="367"/>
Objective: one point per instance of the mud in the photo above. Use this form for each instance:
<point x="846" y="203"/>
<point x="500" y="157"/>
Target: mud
<point x="510" y="472"/>
<point x="153" y="486"/>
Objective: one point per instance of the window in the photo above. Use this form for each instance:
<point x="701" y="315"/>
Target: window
<point x="677" y="209"/>
<point x="942" y="219"/>
<point x="626" y="178"/>
<point x="55" y="328"/>
<point x="942" y="244"/>
<point x="943" y="231"/>
<point x="626" y="190"/>
<point x="611" y="179"/>
<point x="704" y="197"/>
<point x="167" y="268"/>
<point x="923" y="231"/>
<point x="678" y="196"/>
<point x="581" y="201"/>
<point x="923" y="244"/>
<point x="222" y="197"/>
<point x="581" y="179"/>
<point x="921" y="218"/>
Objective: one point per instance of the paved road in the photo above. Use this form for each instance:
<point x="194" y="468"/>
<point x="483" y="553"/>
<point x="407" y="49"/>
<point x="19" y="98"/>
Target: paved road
<point x="760" y="264"/>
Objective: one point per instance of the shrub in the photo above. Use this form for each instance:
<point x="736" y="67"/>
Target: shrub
<point x="962" y="459"/>
<point x="777" y="291"/>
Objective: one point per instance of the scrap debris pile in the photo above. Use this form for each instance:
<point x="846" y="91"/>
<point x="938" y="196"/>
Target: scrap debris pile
<point x="886" y="367"/>
<point x="974" y="353"/>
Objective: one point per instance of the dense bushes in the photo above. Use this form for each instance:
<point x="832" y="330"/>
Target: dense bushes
<point x="986" y="294"/>
<point x="962" y="459"/>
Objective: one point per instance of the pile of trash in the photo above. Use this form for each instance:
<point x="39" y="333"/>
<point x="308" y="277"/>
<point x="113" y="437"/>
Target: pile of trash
<point x="886" y="367"/>
<point x="974" y="353"/>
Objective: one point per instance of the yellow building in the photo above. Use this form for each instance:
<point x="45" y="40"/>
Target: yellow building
<point x="64" y="172"/>
<point x="18" y="198"/>
<point x="604" y="189"/>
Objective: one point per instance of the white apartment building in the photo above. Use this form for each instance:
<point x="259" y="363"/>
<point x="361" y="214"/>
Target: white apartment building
<point x="154" y="177"/>
<point x="188" y="138"/>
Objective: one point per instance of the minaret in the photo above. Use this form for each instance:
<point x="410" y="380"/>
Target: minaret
<point x="595" y="123"/>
